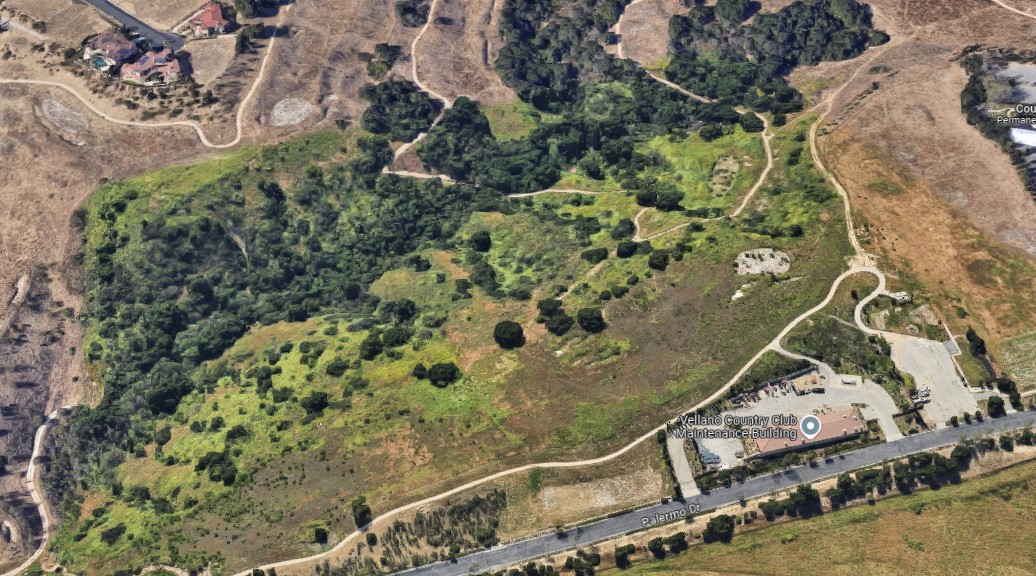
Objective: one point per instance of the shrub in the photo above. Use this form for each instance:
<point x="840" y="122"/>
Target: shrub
<point x="626" y="249"/>
<point x="361" y="512"/>
<point x="647" y="198"/>
<point x="314" y="402"/>
<point x="623" y="229"/>
<point x="337" y="367"/>
<point x="111" y="535"/>
<point x="395" y="337"/>
<point x="420" y="371"/>
<point x="719" y="529"/>
<point x="591" y="319"/>
<point x="371" y="347"/>
<point x="559" y="324"/>
<point x="509" y="335"/>
<point x="443" y="374"/>
<point x="237" y="431"/>
<point x="996" y="407"/>
<point x="549" y="307"/>
<point x="658" y="260"/>
<point x="481" y="241"/>
<point x="595" y="255"/>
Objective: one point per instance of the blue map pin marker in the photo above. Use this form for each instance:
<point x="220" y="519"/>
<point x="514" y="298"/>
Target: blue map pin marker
<point x="810" y="426"/>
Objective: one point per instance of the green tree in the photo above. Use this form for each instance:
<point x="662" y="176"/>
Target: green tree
<point x="659" y="260"/>
<point x="591" y="319"/>
<point x="362" y="515"/>
<point x="481" y="241"/>
<point x="559" y="324"/>
<point x="443" y="374"/>
<point x="995" y="406"/>
<point x="509" y="335"/>
<point x="719" y="529"/>
<point x="371" y="346"/>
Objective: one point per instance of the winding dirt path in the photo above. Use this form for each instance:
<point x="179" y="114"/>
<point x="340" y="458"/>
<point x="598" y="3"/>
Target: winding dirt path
<point x="238" y="121"/>
<point x="31" y="479"/>
<point x="447" y="104"/>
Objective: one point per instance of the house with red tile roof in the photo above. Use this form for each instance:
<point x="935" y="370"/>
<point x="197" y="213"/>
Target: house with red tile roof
<point x="209" y="21"/>
<point x="153" y="68"/>
<point x="109" y="50"/>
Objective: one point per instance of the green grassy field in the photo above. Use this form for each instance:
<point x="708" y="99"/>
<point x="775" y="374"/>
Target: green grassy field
<point x="932" y="532"/>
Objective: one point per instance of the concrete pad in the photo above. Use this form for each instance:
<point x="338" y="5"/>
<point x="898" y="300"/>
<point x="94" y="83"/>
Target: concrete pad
<point x="931" y="365"/>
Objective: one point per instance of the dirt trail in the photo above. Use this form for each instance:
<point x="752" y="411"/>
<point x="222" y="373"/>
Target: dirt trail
<point x="238" y="122"/>
<point x="31" y="479"/>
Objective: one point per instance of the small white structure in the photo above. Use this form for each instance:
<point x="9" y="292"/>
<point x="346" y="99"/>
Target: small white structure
<point x="1023" y="136"/>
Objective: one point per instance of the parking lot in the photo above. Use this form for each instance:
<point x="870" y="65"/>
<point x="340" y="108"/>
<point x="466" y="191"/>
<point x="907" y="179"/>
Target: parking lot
<point x="931" y="365"/>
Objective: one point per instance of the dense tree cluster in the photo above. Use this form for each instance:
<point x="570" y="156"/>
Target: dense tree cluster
<point x="167" y="293"/>
<point x="398" y="109"/>
<point x="413" y="13"/>
<point x="715" y="55"/>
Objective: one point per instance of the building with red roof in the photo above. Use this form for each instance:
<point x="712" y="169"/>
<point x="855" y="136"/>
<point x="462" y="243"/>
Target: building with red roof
<point x="209" y="21"/>
<point x="161" y="67"/>
<point x="109" y="50"/>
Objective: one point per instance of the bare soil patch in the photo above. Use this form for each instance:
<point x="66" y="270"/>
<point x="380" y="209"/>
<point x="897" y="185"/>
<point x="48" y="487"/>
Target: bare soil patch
<point x="762" y="261"/>
<point x="73" y="125"/>
<point x="290" y="111"/>
<point x="644" y="30"/>
<point x="164" y="14"/>
<point x="211" y="58"/>
<point x="455" y="56"/>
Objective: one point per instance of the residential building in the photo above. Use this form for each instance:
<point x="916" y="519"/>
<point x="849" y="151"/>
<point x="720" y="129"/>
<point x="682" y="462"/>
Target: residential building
<point x="209" y="21"/>
<point x="109" y="50"/>
<point x="160" y="67"/>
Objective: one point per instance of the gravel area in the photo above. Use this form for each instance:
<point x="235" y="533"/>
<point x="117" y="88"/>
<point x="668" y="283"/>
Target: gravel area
<point x="67" y="119"/>
<point x="763" y="261"/>
<point x="291" y="111"/>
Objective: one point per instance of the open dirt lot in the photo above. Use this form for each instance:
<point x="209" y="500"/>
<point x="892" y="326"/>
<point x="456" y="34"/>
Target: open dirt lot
<point x="319" y="63"/>
<point x="210" y="58"/>
<point x="68" y="23"/>
<point x="455" y="56"/>
<point x="162" y="14"/>
<point x="644" y="30"/>
<point x="938" y="199"/>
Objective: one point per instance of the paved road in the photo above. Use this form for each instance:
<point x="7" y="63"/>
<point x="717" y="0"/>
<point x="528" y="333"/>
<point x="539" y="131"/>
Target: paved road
<point x="157" y="37"/>
<point x="540" y="546"/>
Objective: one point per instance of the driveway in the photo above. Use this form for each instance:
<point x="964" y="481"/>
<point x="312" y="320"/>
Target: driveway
<point x="157" y="37"/>
<point x="681" y="466"/>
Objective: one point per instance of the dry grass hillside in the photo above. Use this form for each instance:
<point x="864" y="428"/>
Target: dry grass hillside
<point x="64" y="152"/>
<point x="456" y="54"/>
<point x="941" y="201"/>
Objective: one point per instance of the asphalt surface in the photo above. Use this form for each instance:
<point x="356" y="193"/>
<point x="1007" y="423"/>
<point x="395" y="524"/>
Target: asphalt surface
<point x="544" y="545"/>
<point x="157" y="37"/>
